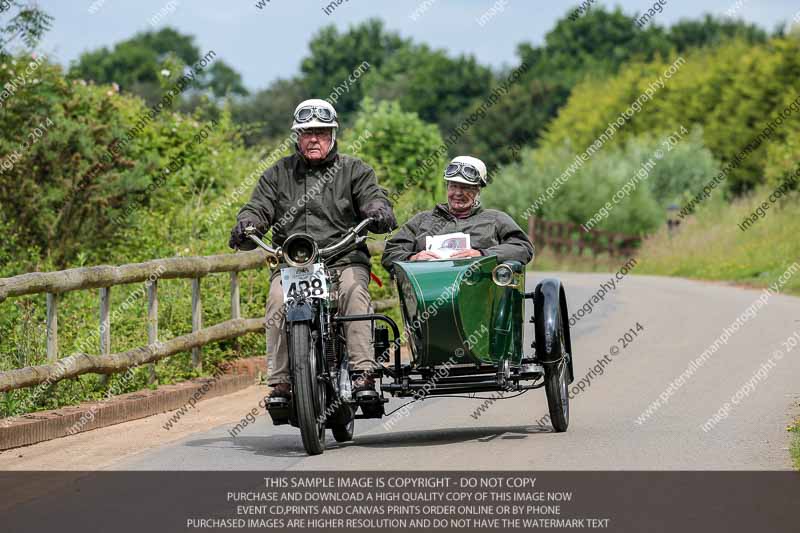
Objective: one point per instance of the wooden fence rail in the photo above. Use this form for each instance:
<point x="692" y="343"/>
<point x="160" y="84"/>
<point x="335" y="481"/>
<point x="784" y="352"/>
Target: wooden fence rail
<point x="569" y="238"/>
<point x="108" y="276"/>
<point x="150" y="272"/>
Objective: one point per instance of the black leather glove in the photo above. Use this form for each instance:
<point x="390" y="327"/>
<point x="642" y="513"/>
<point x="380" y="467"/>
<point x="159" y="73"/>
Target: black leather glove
<point x="383" y="220"/>
<point x="238" y="238"/>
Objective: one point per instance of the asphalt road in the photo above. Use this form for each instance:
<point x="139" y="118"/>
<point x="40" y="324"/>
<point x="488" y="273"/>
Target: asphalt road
<point x="678" y="320"/>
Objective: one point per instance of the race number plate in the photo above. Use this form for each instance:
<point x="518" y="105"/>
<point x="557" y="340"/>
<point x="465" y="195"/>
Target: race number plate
<point x="309" y="282"/>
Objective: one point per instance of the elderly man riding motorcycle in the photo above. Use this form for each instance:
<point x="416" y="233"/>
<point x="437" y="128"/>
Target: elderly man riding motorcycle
<point x="491" y="232"/>
<point x="322" y="193"/>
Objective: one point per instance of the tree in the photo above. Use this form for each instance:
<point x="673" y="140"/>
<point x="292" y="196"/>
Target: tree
<point x="428" y="82"/>
<point x="595" y="44"/>
<point x="267" y="114"/>
<point x="396" y="144"/>
<point x="712" y="31"/>
<point x="135" y="65"/>
<point x="29" y="24"/>
<point x="225" y="81"/>
<point x="515" y="121"/>
<point x="641" y="209"/>
<point x="136" y="61"/>
<point x="333" y="57"/>
<point x="65" y="190"/>
<point x="734" y="92"/>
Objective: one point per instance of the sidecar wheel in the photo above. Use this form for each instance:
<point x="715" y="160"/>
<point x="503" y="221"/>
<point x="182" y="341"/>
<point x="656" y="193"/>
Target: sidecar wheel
<point x="343" y="432"/>
<point x="557" y="396"/>
<point x="309" y="392"/>
<point x="556" y="385"/>
<point x="554" y="348"/>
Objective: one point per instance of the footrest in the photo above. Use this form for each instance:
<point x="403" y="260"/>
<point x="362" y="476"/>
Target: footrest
<point x="279" y="410"/>
<point x="367" y="396"/>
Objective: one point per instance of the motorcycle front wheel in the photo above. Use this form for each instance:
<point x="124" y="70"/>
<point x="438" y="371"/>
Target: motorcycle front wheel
<point x="309" y="391"/>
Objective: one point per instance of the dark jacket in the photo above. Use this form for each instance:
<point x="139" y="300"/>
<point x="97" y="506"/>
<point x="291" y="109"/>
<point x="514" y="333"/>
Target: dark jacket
<point x="491" y="232"/>
<point x="322" y="200"/>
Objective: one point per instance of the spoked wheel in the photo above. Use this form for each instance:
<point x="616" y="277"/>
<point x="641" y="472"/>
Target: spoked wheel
<point x="309" y="391"/>
<point x="555" y="385"/>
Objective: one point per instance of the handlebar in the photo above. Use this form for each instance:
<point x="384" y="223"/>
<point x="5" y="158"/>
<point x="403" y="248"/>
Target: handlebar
<point x="324" y="252"/>
<point x="250" y="232"/>
<point x="353" y="233"/>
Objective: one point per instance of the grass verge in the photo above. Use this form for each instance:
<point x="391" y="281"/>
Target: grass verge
<point x="711" y="245"/>
<point x="794" y="447"/>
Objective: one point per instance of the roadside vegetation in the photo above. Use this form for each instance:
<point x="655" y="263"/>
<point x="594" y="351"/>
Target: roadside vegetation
<point x="795" y="450"/>
<point x="710" y="245"/>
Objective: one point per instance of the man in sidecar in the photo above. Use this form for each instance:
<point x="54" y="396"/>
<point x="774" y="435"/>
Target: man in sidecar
<point x="491" y="232"/>
<point x="322" y="193"/>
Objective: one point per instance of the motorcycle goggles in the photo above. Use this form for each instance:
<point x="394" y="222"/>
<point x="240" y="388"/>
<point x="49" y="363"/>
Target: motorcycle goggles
<point x="308" y="113"/>
<point x="465" y="170"/>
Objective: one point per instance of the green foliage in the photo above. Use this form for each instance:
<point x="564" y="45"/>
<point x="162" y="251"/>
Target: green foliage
<point x="333" y="57"/>
<point x="732" y="91"/>
<point x="515" y="121"/>
<point x="596" y="44"/>
<point x="224" y="81"/>
<point x="49" y="221"/>
<point x="795" y="449"/>
<point x="79" y="189"/>
<point x="712" y="31"/>
<point x="711" y="246"/>
<point x="591" y="48"/>
<point x="438" y="88"/>
<point x="398" y="142"/>
<point x="135" y="65"/>
<point x="28" y="24"/>
<point x="683" y="169"/>
<point x="783" y="159"/>
<point x="267" y="114"/>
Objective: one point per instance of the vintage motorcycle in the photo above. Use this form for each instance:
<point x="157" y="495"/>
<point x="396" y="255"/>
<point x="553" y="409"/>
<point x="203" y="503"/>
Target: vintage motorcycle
<point x="464" y="327"/>
<point x="318" y="362"/>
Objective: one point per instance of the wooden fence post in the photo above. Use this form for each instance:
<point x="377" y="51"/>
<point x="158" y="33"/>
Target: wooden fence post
<point x="105" y="327"/>
<point x="532" y="229"/>
<point x="197" y="322"/>
<point x="236" y="306"/>
<point x="152" y="324"/>
<point x="52" y="327"/>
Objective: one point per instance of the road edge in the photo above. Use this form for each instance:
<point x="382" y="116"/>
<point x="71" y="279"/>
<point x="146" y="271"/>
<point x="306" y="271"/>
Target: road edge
<point x="42" y="426"/>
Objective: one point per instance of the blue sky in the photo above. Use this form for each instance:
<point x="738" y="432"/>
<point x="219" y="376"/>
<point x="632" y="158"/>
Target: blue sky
<point x="265" y="44"/>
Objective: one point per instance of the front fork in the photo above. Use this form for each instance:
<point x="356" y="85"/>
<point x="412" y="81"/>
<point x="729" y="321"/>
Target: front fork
<point x="280" y="410"/>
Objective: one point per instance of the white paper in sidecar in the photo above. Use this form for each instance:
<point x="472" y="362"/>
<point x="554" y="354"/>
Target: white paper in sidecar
<point x="448" y="244"/>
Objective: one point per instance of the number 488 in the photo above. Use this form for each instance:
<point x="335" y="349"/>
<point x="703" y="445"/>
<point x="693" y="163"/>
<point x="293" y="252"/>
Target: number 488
<point x="306" y="288"/>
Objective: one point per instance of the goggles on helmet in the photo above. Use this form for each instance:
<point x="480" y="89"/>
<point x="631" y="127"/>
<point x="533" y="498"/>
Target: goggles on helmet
<point x="306" y="114"/>
<point x="465" y="170"/>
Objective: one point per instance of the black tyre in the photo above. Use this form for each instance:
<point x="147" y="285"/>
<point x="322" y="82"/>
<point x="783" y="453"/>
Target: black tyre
<point x="556" y="376"/>
<point x="344" y="432"/>
<point x="309" y="391"/>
